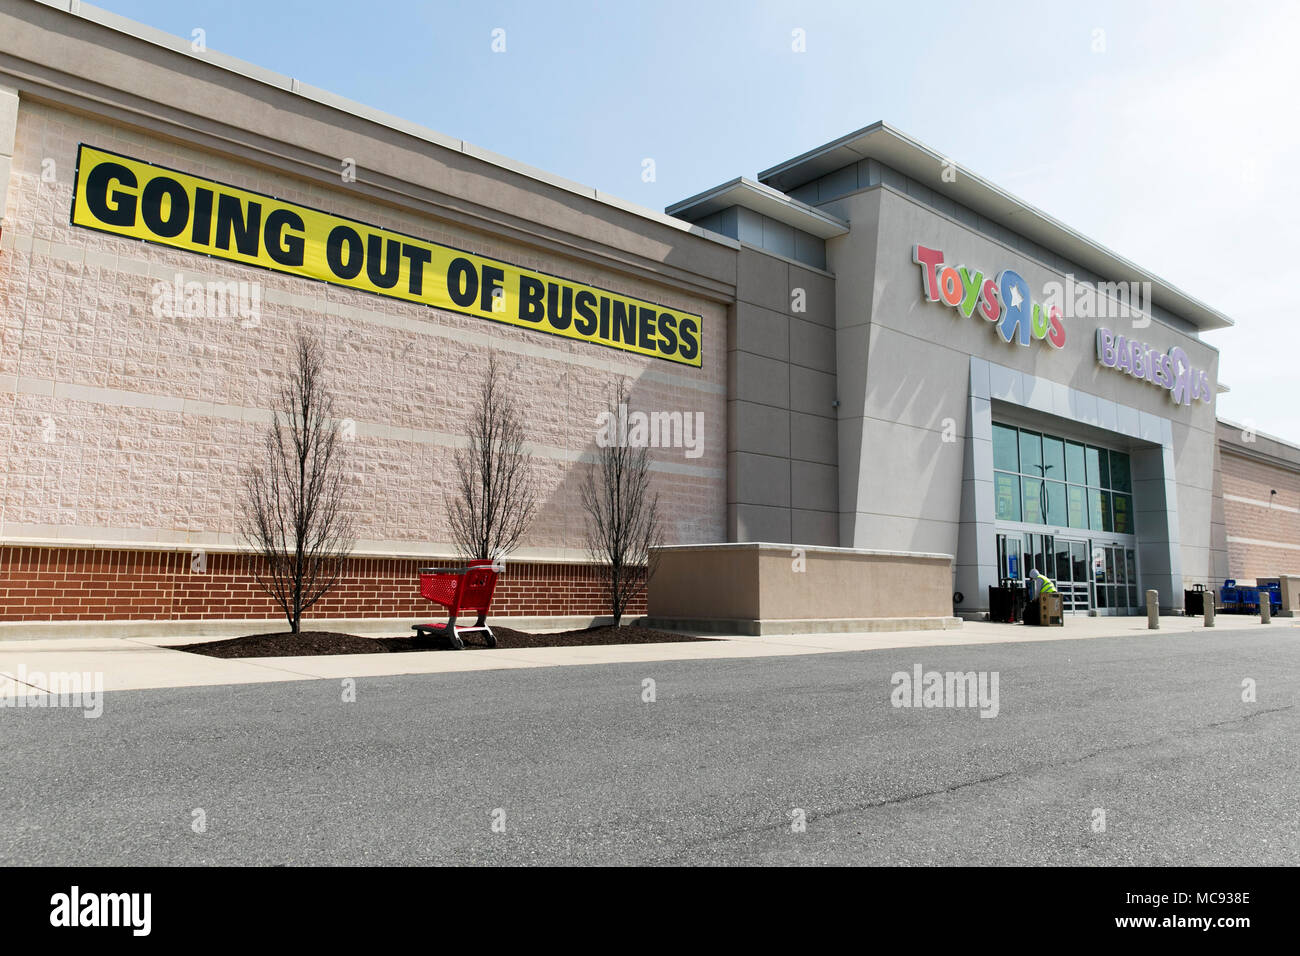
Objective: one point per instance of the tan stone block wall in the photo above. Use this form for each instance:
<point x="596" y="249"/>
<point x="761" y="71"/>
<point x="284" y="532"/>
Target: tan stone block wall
<point x="117" y="424"/>
<point x="768" y="582"/>
<point x="1263" y="530"/>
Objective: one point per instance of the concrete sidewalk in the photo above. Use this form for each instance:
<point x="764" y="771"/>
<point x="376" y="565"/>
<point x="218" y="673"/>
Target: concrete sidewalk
<point x="142" y="663"/>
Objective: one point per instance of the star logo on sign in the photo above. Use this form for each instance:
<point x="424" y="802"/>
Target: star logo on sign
<point x="1016" y="297"/>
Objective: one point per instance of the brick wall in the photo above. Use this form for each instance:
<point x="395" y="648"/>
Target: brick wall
<point x="1263" y="529"/>
<point x="90" y="584"/>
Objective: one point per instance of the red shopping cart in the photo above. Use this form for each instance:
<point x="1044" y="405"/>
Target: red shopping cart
<point x="459" y="590"/>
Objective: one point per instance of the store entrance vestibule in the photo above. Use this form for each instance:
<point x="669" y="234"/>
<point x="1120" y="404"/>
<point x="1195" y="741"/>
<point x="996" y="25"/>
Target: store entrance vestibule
<point x="1089" y="574"/>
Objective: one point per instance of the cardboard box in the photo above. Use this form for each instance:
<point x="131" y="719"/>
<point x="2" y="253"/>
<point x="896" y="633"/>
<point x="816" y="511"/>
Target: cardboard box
<point x="1049" y="610"/>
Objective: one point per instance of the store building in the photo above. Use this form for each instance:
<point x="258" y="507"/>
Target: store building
<point x="883" y="351"/>
<point x="1004" y="389"/>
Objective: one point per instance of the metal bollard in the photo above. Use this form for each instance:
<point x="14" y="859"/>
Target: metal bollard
<point x="1265" y="607"/>
<point x="1209" y="609"/>
<point x="1153" y="610"/>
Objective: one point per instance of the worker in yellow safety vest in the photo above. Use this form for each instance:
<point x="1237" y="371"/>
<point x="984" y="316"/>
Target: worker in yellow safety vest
<point x="1040" y="584"/>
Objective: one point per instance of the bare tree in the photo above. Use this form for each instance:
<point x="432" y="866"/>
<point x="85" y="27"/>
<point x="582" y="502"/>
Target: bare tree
<point x="622" y="514"/>
<point x="293" y="513"/>
<point x="494" y="497"/>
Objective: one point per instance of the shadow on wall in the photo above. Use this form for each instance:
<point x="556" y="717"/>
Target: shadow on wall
<point x="403" y="481"/>
<point x="686" y="451"/>
<point x="915" y="464"/>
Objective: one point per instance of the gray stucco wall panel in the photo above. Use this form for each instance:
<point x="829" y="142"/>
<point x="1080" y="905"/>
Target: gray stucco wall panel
<point x="813" y="438"/>
<point x="758" y="523"/>
<point x="852" y="351"/>
<point x="814" y="527"/>
<point x="781" y="372"/>
<point x="906" y="534"/>
<point x="760" y="331"/>
<point x="813" y="487"/>
<point x="818" y="296"/>
<point x="760" y="429"/>
<point x="811" y="391"/>
<point x="763" y="280"/>
<point x="912" y="473"/>
<point x="754" y="378"/>
<point x="901" y="382"/>
<point x="812" y="345"/>
<point x="759" y="479"/>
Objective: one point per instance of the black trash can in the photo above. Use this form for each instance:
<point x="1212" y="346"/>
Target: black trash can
<point x="1006" y="603"/>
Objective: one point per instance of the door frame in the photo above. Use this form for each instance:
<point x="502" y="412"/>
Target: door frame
<point x="1092" y="541"/>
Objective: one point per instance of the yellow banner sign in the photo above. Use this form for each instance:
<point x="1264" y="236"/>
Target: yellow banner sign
<point x="126" y="197"/>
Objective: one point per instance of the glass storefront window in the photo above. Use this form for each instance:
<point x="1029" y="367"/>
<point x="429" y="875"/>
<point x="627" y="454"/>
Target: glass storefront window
<point x="1075" y="472"/>
<point x="1103" y="468"/>
<point x="1056" y="510"/>
<point x="1099" y="518"/>
<point x="1053" y="458"/>
<point x="1006" y="491"/>
<point x="1077" y="506"/>
<point x="1123" y="513"/>
<point x="1006" y="453"/>
<point x="1092" y="456"/>
<point x="1044" y="479"/>
<point x="1035" y="497"/>
<point x="1031" y="454"/>
<point x="1119" y="472"/>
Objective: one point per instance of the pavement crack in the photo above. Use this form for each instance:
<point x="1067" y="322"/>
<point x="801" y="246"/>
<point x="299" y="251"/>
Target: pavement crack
<point x="7" y="676"/>
<point x="979" y="781"/>
<point x="1252" y="716"/>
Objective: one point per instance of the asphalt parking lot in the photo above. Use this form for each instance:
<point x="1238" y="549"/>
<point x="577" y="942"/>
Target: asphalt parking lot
<point x="798" y="759"/>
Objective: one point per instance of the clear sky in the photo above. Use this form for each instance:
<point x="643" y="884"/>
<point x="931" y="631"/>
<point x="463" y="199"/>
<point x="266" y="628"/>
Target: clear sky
<point x="1165" y="131"/>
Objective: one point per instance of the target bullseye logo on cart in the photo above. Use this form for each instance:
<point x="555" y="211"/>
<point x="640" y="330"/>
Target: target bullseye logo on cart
<point x="1002" y="300"/>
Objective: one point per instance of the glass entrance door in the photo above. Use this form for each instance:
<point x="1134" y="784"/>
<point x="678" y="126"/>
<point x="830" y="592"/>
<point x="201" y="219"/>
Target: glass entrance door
<point x="1114" y="572"/>
<point x="1063" y="560"/>
<point x="1072" y="575"/>
<point x="1092" y="576"/>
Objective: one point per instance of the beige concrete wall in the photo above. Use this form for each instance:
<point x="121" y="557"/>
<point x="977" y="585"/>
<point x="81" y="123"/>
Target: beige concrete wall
<point x="123" y="425"/>
<point x="751" y="581"/>
<point x="705" y="583"/>
<point x="1290" y="595"/>
<point x="8" y="129"/>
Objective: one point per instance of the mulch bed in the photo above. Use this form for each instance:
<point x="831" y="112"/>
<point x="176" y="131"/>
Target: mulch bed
<point x="311" y="643"/>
